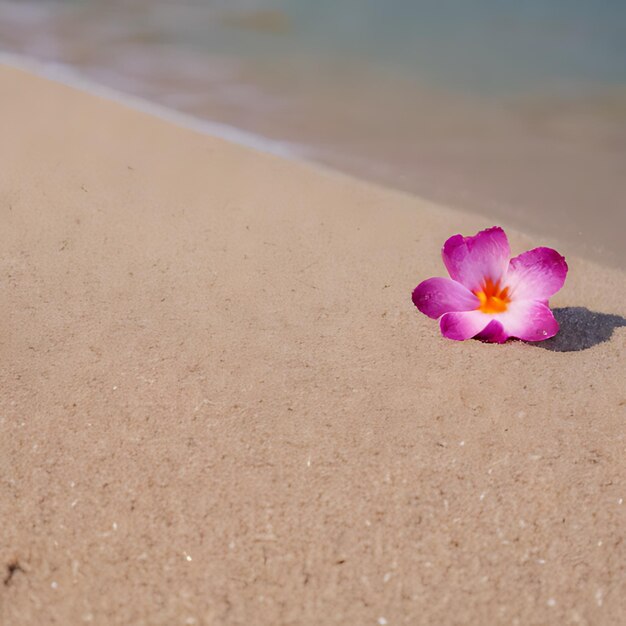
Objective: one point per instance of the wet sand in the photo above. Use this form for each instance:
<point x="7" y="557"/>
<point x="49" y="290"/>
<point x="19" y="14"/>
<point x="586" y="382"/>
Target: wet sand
<point x="218" y="404"/>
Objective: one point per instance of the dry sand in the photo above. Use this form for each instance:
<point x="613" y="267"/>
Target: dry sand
<point x="219" y="406"/>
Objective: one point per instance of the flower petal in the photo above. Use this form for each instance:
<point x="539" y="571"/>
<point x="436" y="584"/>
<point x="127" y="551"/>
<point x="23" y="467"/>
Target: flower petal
<point x="463" y="324"/>
<point x="437" y="296"/>
<point x="472" y="260"/>
<point x="529" y="320"/>
<point x="536" y="274"/>
<point x="493" y="333"/>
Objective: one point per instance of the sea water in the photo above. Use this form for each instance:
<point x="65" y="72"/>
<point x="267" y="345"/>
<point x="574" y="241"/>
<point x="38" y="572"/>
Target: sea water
<point x="516" y="110"/>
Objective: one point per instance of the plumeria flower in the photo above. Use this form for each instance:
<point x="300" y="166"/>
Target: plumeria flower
<point x="489" y="295"/>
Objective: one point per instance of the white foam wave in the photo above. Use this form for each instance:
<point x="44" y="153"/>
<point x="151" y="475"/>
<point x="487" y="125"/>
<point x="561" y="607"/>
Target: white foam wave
<point x="67" y="75"/>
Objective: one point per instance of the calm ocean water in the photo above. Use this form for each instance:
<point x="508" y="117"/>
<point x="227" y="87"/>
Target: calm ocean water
<point x="513" y="109"/>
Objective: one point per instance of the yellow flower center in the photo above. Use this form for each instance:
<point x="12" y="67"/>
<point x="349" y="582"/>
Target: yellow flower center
<point x="492" y="298"/>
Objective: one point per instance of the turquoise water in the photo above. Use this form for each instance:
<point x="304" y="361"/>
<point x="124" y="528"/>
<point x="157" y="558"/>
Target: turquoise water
<point x="498" y="45"/>
<point x="516" y="110"/>
<point x="495" y="45"/>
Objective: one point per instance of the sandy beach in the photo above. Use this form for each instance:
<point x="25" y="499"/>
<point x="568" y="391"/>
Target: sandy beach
<point x="218" y="404"/>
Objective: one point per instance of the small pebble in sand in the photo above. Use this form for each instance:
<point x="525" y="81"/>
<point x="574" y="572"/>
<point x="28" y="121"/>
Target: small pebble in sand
<point x="599" y="594"/>
<point x="382" y="621"/>
<point x="620" y="501"/>
<point x="54" y="584"/>
<point x="551" y="602"/>
<point x="187" y="557"/>
<point x="461" y="443"/>
<point x="387" y="577"/>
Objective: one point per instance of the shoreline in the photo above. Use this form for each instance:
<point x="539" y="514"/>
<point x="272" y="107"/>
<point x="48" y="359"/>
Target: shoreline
<point x="66" y="75"/>
<point x="218" y="404"/>
<point x="467" y="204"/>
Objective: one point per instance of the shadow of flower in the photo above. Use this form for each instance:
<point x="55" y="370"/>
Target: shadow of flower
<point x="581" y="329"/>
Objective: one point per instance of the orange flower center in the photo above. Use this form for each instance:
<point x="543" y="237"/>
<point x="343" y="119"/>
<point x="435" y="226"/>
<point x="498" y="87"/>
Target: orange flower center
<point x="492" y="298"/>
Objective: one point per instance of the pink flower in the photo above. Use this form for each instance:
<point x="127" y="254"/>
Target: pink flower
<point x="489" y="295"/>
